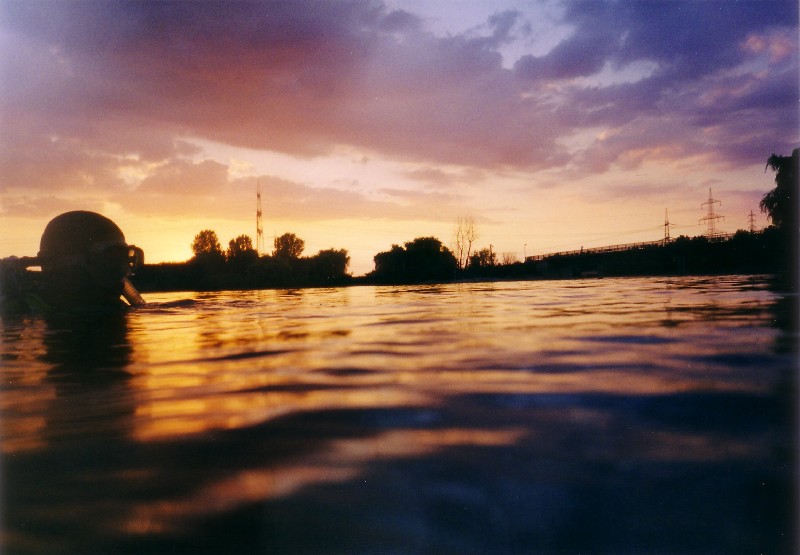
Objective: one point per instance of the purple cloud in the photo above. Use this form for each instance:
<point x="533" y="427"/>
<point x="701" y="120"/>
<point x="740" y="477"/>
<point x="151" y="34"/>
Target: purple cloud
<point x="100" y="84"/>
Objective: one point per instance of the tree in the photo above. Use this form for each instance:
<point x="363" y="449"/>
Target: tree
<point x="459" y="243"/>
<point x="208" y="260"/>
<point x="288" y="245"/>
<point x="427" y="259"/>
<point x="781" y="202"/>
<point x="423" y="259"/>
<point x="484" y="258"/>
<point x="390" y="265"/>
<point x="241" y="251"/>
<point x="329" y="265"/>
<point x="509" y="258"/>
<point x="782" y="206"/>
<point x="465" y="235"/>
<point x="206" y="243"/>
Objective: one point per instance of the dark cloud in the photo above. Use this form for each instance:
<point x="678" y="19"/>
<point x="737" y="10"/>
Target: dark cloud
<point x="713" y="86"/>
<point x="583" y="54"/>
<point x="281" y="76"/>
<point x="504" y="26"/>
<point x="400" y="21"/>
<point x="687" y="39"/>
<point x="95" y="86"/>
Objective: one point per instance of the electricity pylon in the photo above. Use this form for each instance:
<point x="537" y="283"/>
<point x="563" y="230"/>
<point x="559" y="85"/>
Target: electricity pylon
<point x="666" y="226"/>
<point x="711" y="218"/>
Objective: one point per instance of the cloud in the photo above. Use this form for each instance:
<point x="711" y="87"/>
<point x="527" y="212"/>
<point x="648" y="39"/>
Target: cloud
<point x="99" y="92"/>
<point x="208" y="189"/>
<point x="583" y="54"/>
<point x="437" y="178"/>
<point x="693" y="50"/>
<point x="183" y="178"/>
<point x="43" y="206"/>
<point x="298" y="201"/>
<point x="284" y="77"/>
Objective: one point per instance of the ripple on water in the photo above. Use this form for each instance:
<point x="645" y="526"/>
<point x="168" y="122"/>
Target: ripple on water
<point x="466" y="417"/>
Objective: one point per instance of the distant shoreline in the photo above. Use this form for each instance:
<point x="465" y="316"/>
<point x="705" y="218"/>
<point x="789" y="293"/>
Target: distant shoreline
<point x="761" y="253"/>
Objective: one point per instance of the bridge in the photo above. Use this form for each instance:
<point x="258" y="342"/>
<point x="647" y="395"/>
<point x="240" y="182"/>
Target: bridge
<point x="617" y="248"/>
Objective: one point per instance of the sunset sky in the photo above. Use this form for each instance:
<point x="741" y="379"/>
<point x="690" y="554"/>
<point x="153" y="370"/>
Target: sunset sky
<point x="554" y="124"/>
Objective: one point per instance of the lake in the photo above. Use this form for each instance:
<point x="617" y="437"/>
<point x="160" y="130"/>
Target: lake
<point x="639" y="415"/>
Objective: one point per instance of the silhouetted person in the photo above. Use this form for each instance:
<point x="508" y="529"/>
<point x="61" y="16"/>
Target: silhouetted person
<point x="85" y="264"/>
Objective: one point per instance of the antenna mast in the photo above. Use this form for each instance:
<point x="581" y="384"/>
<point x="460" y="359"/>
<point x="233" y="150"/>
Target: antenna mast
<point x="259" y="226"/>
<point x="752" y="220"/>
<point x="711" y="218"/>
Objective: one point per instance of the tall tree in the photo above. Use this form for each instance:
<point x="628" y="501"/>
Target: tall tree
<point x="390" y="265"/>
<point x="288" y="245"/>
<point x="781" y="202"/>
<point x="423" y="259"/>
<point x="241" y="251"/>
<point x="206" y="243"/>
<point x="465" y="235"/>
<point x="427" y="259"/>
<point x="329" y="265"/>
<point x="471" y="234"/>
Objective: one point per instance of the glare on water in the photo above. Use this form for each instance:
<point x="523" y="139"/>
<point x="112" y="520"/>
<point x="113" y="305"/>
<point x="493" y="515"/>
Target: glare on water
<point x="472" y="417"/>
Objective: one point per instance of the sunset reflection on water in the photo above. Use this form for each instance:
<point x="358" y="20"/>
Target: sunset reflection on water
<point x="446" y="418"/>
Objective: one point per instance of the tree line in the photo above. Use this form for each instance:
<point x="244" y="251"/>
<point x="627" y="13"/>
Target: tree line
<point x="241" y="267"/>
<point x="427" y="259"/>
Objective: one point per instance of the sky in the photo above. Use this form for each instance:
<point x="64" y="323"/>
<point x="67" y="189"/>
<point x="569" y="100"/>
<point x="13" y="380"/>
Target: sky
<point x="554" y="125"/>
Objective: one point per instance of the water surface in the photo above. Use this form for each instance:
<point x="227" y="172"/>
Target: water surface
<point x="586" y="416"/>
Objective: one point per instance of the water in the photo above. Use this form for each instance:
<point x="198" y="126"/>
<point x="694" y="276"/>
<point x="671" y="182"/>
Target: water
<point x="587" y="416"/>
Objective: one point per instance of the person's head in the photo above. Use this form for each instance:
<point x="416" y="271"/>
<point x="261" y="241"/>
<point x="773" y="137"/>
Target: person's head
<point x="85" y="259"/>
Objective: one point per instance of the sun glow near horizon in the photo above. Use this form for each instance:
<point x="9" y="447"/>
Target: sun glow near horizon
<point x="553" y="127"/>
<point x="588" y="211"/>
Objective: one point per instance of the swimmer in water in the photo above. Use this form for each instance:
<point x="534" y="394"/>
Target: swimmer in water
<point x="85" y="264"/>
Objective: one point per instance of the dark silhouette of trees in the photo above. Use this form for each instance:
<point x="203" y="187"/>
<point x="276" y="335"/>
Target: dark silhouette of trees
<point x="240" y="267"/>
<point x="241" y="252"/>
<point x="206" y="243"/>
<point x="509" y="258"/>
<point x="423" y="259"/>
<point x="288" y="245"/>
<point x="484" y="258"/>
<point x="328" y="265"/>
<point x="390" y="265"/>
<point x="773" y="250"/>
<point x="207" y="262"/>
<point x="781" y="202"/>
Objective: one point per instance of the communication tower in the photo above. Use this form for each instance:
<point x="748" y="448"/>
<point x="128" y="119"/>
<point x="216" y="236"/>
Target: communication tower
<point x="711" y="217"/>
<point x="259" y="224"/>
<point x="752" y="220"/>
